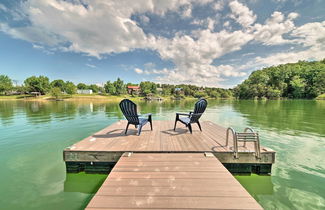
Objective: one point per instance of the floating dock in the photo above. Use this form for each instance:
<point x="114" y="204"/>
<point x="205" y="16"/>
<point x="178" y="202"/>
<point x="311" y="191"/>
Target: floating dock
<point x="101" y="151"/>
<point x="171" y="181"/>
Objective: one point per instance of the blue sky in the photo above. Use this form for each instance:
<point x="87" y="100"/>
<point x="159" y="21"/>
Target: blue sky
<point x="206" y="43"/>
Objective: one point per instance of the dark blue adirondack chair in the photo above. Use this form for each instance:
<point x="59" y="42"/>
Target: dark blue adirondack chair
<point x="129" y="110"/>
<point x="192" y="117"/>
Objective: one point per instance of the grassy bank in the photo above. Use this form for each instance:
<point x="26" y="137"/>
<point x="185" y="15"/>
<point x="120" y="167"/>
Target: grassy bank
<point x="321" y="97"/>
<point x="82" y="97"/>
<point x="22" y="97"/>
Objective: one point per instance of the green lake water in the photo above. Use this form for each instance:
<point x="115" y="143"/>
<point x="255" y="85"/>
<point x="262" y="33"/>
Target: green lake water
<point x="34" y="134"/>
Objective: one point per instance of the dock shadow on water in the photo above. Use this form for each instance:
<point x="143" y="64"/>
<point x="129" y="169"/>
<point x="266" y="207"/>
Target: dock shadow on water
<point x="256" y="185"/>
<point x="83" y="183"/>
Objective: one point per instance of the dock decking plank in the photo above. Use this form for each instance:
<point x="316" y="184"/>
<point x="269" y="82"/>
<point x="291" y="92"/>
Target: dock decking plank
<point x="162" y="139"/>
<point x="171" y="181"/>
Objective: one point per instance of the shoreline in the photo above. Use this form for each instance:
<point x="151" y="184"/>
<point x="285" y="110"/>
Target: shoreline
<point x="47" y="98"/>
<point x="109" y="98"/>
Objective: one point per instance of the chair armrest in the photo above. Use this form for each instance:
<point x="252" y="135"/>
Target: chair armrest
<point x="144" y="115"/>
<point x="183" y="114"/>
<point x="131" y="115"/>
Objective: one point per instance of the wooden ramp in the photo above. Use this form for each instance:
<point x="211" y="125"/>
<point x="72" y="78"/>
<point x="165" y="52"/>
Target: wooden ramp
<point x="171" y="181"/>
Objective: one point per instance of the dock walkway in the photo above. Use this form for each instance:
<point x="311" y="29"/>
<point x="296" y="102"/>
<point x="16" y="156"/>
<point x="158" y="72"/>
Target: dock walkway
<point x="171" y="181"/>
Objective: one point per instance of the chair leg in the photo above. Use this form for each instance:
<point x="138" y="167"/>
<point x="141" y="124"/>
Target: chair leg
<point x="190" y="127"/>
<point x="139" y="130"/>
<point x="150" y="121"/>
<point x="127" y="127"/>
<point x="198" y="123"/>
<point x="175" y="124"/>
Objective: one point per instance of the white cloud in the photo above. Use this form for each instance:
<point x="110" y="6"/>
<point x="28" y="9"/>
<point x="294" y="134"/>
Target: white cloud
<point x="311" y="34"/>
<point x="293" y="15"/>
<point x="31" y="34"/>
<point x="187" y="11"/>
<point x="193" y="57"/>
<point x="226" y="24"/>
<point x="144" y="19"/>
<point x="207" y="23"/>
<point x="275" y="27"/>
<point x="105" y="27"/>
<point x="102" y="27"/>
<point x="3" y="8"/>
<point x="91" y="65"/>
<point x="149" y="65"/>
<point x="218" y="6"/>
<point x="138" y="71"/>
<point x="242" y="14"/>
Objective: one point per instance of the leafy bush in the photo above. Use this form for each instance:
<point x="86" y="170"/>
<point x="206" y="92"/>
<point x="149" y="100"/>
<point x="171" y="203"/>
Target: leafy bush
<point x="56" y="93"/>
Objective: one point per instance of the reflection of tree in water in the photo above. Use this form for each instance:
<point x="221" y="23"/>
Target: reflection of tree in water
<point x="64" y="110"/>
<point x="112" y="110"/>
<point x="38" y="112"/>
<point x="298" y="115"/>
<point x="84" y="108"/>
<point x="41" y="112"/>
<point x="7" y="112"/>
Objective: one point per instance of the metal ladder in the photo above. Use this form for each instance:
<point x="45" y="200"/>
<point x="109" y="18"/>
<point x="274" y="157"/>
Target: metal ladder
<point x="245" y="136"/>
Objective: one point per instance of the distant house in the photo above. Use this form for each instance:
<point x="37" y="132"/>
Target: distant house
<point x="179" y="91"/>
<point x="133" y="89"/>
<point x="84" y="91"/>
<point x="36" y="94"/>
<point x="201" y="90"/>
<point x="159" y="91"/>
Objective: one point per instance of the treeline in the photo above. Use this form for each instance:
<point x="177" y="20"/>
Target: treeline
<point x="293" y="80"/>
<point x="43" y="85"/>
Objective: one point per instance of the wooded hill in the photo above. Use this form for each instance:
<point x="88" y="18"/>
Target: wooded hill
<point x="293" y="80"/>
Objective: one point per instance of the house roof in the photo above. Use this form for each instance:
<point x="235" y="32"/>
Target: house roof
<point x="133" y="87"/>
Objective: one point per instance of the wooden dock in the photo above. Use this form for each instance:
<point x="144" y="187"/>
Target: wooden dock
<point x="100" y="151"/>
<point x="171" y="181"/>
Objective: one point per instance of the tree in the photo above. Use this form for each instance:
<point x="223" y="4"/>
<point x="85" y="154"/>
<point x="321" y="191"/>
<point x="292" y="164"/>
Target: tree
<point x="119" y="86"/>
<point x="200" y="94"/>
<point x="297" y="80"/>
<point x="166" y="91"/>
<point x="109" y="88"/>
<point x="70" y="88"/>
<point x="153" y="88"/>
<point x="298" y="86"/>
<point x="187" y="90"/>
<point x="37" y="84"/>
<point x="214" y="94"/>
<point x="273" y="93"/>
<point x="148" y="87"/>
<point x="94" y="88"/>
<point x="56" y="92"/>
<point x="5" y="83"/>
<point x="82" y="86"/>
<point x="320" y="82"/>
<point x="225" y="93"/>
<point x="58" y="83"/>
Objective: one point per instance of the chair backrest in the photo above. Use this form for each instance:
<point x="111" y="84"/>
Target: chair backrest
<point x="129" y="109"/>
<point x="199" y="108"/>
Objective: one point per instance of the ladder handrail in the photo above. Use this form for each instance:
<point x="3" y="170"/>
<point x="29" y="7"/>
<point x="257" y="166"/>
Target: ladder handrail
<point x="233" y="134"/>
<point x="250" y="129"/>
<point x="235" y="145"/>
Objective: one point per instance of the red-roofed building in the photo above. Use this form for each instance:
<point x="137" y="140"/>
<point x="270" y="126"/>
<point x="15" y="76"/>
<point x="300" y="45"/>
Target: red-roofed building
<point x="133" y="90"/>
